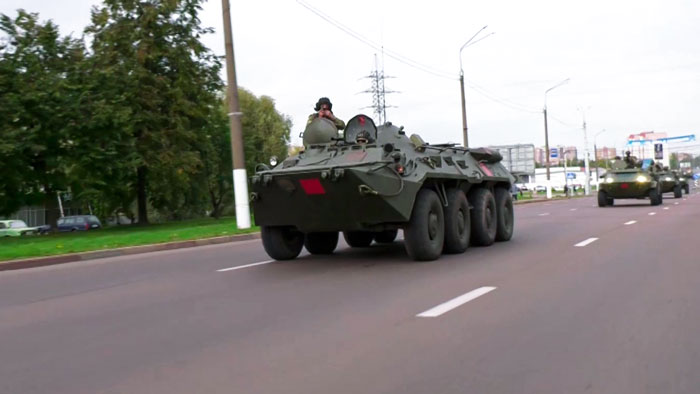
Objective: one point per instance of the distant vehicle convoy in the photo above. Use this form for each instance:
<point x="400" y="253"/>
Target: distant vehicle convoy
<point x="373" y="181"/>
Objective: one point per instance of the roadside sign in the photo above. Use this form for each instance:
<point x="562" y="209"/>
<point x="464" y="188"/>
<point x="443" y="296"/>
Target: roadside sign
<point x="658" y="151"/>
<point x="570" y="175"/>
<point x="554" y="153"/>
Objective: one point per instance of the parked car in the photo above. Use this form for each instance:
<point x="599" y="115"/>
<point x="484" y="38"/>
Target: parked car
<point x="540" y="188"/>
<point x="16" y="228"/>
<point x="79" y="223"/>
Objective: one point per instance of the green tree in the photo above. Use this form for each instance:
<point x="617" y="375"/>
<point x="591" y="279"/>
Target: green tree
<point x="265" y="133"/>
<point x="157" y="89"/>
<point x="673" y="161"/>
<point x="36" y="116"/>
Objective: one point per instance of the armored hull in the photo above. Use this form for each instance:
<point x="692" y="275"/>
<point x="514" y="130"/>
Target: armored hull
<point x="373" y="181"/>
<point x="625" y="183"/>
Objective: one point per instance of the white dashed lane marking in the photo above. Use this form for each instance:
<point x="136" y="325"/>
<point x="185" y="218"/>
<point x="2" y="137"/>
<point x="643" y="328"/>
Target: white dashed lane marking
<point x="544" y="214"/>
<point x="456" y="302"/>
<point x="666" y="208"/>
<point x="630" y="222"/>
<point x="245" y="266"/>
<point x="652" y="213"/>
<point x="573" y="209"/>
<point x="586" y="242"/>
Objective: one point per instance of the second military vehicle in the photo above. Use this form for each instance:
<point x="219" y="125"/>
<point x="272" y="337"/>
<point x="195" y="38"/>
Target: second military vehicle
<point x="630" y="179"/>
<point x="670" y="182"/>
<point x="374" y="181"/>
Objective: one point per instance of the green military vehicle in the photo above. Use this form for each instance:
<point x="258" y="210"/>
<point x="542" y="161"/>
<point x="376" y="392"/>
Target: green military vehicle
<point x="670" y="182"/>
<point x="374" y="181"/>
<point x="630" y="179"/>
<point x="684" y="178"/>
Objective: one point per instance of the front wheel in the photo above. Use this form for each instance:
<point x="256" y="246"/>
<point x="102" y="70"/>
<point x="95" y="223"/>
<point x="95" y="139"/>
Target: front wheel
<point x="677" y="191"/>
<point x="483" y="216"/>
<point x="425" y="233"/>
<point x="321" y="243"/>
<point x="655" y="196"/>
<point x="282" y="243"/>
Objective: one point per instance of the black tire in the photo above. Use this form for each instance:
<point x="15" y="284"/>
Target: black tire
<point x="505" y="220"/>
<point x="386" y="236"/>
<point x="425" y="233"/>
<point x="610" y="201"/>
<point x="282" y="243"/>
<point x="602" y="198"/>
<point x="687" y="189"/>
<point x="321" y="243"/>
<point x="483" y="217"/>
<point x="655" y="196"/>
<point x="358" y="239"/>
<point x="677" y="191"/>
<point x="457" y="222"/>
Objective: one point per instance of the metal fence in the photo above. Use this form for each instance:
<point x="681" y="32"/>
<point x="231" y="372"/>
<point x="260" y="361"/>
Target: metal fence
<point x="36" y="216"/>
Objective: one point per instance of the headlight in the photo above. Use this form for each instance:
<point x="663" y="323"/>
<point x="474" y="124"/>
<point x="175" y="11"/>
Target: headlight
<point x="642" y="178"/>
<point x="273" y="161"/>
<point x="609" y="180"/>
<point x="668" y="179"/>
<point x="681" y="179"/>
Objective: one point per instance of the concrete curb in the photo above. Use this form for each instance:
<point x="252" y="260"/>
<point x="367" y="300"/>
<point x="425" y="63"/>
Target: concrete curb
<point x="99" y="254"/>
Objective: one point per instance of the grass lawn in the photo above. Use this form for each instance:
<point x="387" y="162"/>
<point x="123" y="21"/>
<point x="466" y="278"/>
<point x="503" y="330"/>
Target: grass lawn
<point x="116" y="237"/>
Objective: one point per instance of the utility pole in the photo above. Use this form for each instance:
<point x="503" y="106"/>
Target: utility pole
<point x="461" y="84"/>
<point x="240" y="178"/>
<point x="546" y="133"/>
<point x="587" y="188"/>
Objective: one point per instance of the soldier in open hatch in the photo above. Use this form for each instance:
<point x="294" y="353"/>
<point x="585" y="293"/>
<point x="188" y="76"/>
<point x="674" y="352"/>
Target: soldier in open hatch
<point x="631" y="161"/>
<point x="324" y="110"/>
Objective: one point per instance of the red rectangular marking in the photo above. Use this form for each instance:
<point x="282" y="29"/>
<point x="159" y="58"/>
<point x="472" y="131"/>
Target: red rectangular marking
<point x="624" y="186"/>
<point x="312" y="186"/>
<point x="486" y="170"/>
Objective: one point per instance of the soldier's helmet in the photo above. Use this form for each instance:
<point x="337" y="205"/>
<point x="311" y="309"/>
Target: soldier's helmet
<point x="321" y="101"/>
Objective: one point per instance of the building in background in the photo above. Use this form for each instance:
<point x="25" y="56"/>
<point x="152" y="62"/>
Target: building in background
<point x="606" y="153"/>
<point x="641" y="144"/>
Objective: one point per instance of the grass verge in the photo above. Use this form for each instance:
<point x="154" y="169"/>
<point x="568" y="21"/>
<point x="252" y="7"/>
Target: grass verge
<point x="116" y="237"/>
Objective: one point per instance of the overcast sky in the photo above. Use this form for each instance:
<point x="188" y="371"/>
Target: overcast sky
<point x="634" y="65"/>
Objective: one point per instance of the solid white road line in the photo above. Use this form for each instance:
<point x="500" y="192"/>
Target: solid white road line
<point x="245" y="266"/>
<point x="586" y="242"/>
<point x="652" y="213"/>
<point x="544" y="214"/>
<point x="630" y="222"/>
<point x="455" y="302"/>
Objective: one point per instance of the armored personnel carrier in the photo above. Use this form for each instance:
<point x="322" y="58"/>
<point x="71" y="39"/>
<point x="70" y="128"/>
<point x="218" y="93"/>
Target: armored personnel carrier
<point x="630" y="179"/>
<point x="670" y="182"/>
<point x="373" y="181"/>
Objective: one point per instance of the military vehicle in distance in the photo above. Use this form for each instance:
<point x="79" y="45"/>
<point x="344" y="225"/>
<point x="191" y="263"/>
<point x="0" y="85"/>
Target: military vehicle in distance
<point x="670" y="182"/>
<point x="630" y="180"/>
<point x="374" y="181"/>
<point x="683" y="178"/>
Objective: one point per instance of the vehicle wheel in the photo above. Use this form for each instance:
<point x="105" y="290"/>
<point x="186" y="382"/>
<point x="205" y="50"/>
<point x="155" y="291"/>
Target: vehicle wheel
<point x="602" y="198"/>
<point x="358" y="239"/>
<point x="677" y="191"/>
<point x="610" y="201"/>
<point x="386" y="236"/>
<point x="655" y="196"/>
<point x="457" y="223"/>
<point x="321" y="243"/>
<point x="483" y="217"/>
<point x="504" y="215"/>
<point x="687" y="189"/>
<point x="425" y="233"/>
<point x="282" y="243"/>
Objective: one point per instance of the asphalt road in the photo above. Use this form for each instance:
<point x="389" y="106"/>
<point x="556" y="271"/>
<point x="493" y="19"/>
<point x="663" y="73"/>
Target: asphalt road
<point x="620" y="313"/>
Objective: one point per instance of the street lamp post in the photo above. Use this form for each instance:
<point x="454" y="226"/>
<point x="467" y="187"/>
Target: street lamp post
<point x="587" y="188"/>
<point x="546" y="135"/>
<point x="461" y="84"/>
<point x="595" y="158"/>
